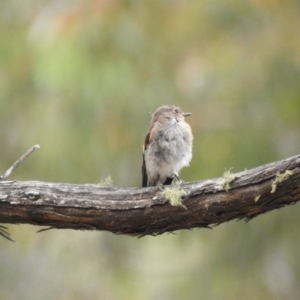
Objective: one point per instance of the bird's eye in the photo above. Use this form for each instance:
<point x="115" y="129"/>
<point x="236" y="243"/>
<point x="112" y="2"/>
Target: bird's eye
<point x="176" y="110"/>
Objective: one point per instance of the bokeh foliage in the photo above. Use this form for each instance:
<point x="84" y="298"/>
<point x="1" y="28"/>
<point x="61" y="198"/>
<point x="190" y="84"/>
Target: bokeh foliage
<point x="81" y="78"/>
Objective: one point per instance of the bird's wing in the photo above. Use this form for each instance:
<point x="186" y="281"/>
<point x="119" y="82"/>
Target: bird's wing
<point x="144" y="170"/>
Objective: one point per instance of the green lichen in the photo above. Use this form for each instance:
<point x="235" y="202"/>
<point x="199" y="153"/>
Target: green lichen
<point x="257" y="198"/>
<point x="280" y="178"/>
<point x="228" y="178"/>
<point x="174" y="195"/>
<point x="107" y="182"/>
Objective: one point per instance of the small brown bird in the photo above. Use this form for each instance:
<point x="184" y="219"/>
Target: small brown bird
<point x="168" y="146"/>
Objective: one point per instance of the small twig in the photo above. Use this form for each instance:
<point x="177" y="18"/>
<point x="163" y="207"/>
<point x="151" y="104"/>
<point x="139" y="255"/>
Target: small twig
<point x="4" y="177"/>
<point x="17" y="163"/>
<point x="45" y="229"/>
<point x="5" y="234"/>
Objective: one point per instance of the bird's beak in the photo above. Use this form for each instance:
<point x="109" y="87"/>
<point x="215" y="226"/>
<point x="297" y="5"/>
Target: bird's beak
<point x="186" y="114"/>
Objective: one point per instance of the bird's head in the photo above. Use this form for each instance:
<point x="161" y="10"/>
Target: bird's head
<point x="169" y="114"/>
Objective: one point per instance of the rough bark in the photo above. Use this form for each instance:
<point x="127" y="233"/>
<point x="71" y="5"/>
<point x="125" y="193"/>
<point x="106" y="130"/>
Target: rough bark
<point x="145" y="211"/>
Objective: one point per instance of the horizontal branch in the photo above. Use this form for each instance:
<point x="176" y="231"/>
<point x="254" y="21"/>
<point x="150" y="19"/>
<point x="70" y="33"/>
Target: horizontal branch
<point x="146" y="211"/>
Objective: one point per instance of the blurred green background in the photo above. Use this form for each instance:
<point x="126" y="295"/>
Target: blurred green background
<point x="81" y="79"/>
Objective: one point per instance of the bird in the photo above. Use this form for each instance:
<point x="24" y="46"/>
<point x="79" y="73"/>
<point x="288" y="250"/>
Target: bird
<point x="167" y="147"/>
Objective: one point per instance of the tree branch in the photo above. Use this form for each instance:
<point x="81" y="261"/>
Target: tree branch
<point x="18" y="162"/>
<point x="146" y="211"/>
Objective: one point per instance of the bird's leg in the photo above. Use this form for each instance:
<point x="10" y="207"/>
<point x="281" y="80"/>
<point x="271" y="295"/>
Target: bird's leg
<point x="160" y="186"/>
<point x="178" y="180"/>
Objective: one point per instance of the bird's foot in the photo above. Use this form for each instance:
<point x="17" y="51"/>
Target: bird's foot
<point x="160" y="187"/>
<point x="177" y="180"/>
